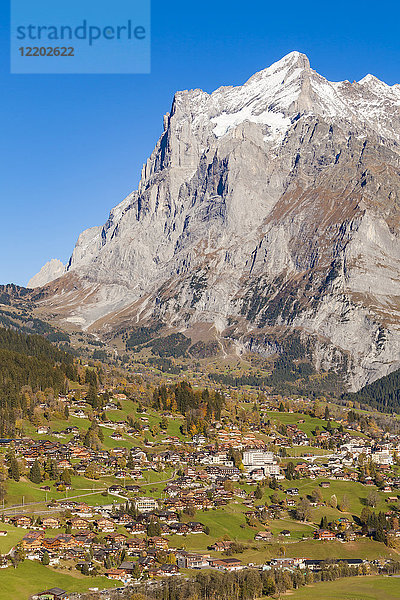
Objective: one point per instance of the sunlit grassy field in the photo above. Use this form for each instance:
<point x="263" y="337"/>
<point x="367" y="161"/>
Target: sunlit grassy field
<point x="32" y="577"/>
<point x="351" y="588"/>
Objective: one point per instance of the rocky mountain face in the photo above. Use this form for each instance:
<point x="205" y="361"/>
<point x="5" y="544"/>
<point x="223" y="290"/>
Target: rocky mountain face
<point x="264" y="209"/>
<point x="53" y="269"/>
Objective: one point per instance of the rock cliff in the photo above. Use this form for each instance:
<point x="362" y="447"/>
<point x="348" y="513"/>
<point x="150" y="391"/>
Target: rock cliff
<point x="264" y="209"/>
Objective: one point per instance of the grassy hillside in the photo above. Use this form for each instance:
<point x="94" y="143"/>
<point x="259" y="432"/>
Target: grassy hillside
<point x="32" y="577"/>
<point x="352" y="588"/>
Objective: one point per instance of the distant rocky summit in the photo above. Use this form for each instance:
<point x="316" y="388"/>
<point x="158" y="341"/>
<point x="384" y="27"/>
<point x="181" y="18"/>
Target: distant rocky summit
<point x="50" y="271"/>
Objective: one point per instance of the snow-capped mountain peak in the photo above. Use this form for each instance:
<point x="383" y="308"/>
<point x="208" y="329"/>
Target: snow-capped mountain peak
<point x="287" y="90"/>
<point x="264" y="208"/>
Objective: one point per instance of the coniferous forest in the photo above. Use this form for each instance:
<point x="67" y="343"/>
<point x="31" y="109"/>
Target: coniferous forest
<point x="29" y="361"/>
<point x="383" y="394"/>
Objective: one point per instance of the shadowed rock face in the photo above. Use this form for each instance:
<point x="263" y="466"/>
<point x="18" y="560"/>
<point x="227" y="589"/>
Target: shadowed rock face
<point x="270" y="206"/>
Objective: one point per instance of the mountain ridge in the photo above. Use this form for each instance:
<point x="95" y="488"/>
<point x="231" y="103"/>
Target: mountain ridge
<point x="264" y="207"/>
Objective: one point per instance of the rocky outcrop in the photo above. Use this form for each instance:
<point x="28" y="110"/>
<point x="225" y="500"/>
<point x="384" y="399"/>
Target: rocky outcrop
<point x="270" y="205"/>
<point x="50" y="271"/>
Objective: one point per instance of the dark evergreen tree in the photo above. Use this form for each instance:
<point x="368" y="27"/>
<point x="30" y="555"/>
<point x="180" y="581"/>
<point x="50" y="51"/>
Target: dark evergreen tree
<point x="153" y="529"/>
<point x="324" y="523"/>
<point x="66" y="477"/>
<point x="34" y="474"/>
<point x="258" y="494"/>
<point x="14" y="469"/>
<point x="290" y="471"/>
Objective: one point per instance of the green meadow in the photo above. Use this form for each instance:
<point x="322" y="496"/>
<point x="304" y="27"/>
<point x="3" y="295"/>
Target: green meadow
<point x="351" y="588"/>
<point x="32" y="577"/>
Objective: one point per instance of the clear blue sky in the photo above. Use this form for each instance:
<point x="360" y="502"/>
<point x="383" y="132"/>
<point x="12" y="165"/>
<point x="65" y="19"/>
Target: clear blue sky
<point x="72" y="146"/>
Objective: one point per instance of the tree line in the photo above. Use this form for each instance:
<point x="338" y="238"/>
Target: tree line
<point x="248" y="584"/>
<point x="198" y="406"/>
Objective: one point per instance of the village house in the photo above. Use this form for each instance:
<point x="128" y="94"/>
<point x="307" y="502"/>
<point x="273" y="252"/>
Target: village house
<point x="187" y="560"/>
<point x="324" y="534"/>
<point x="226" y="564"/>
<point x="221" y="546"/>
<point x="145" y="504"/>
<point x="64" y="464"/>
<point x="195" y="527"/>
<point x="179" y="528"/>
<point x="136" y="528"/>
<point x="115" y="538"/>
<point x="50" y="523"/>
<point x="263" y="536"/>
<point x="33" y="540"/>
<point x="157" y="542"/>
<point x="135" y="545"/>
<point x="43" y="430"/>
<point x="21" y="521"/>
<point x="79" y="523"/>
<point x="285" y="532"/>
<point x="105" y="525"/>
<point x="52" y="594"/>
<point x="62" y="541"/>
<point x="119" y="574"/>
